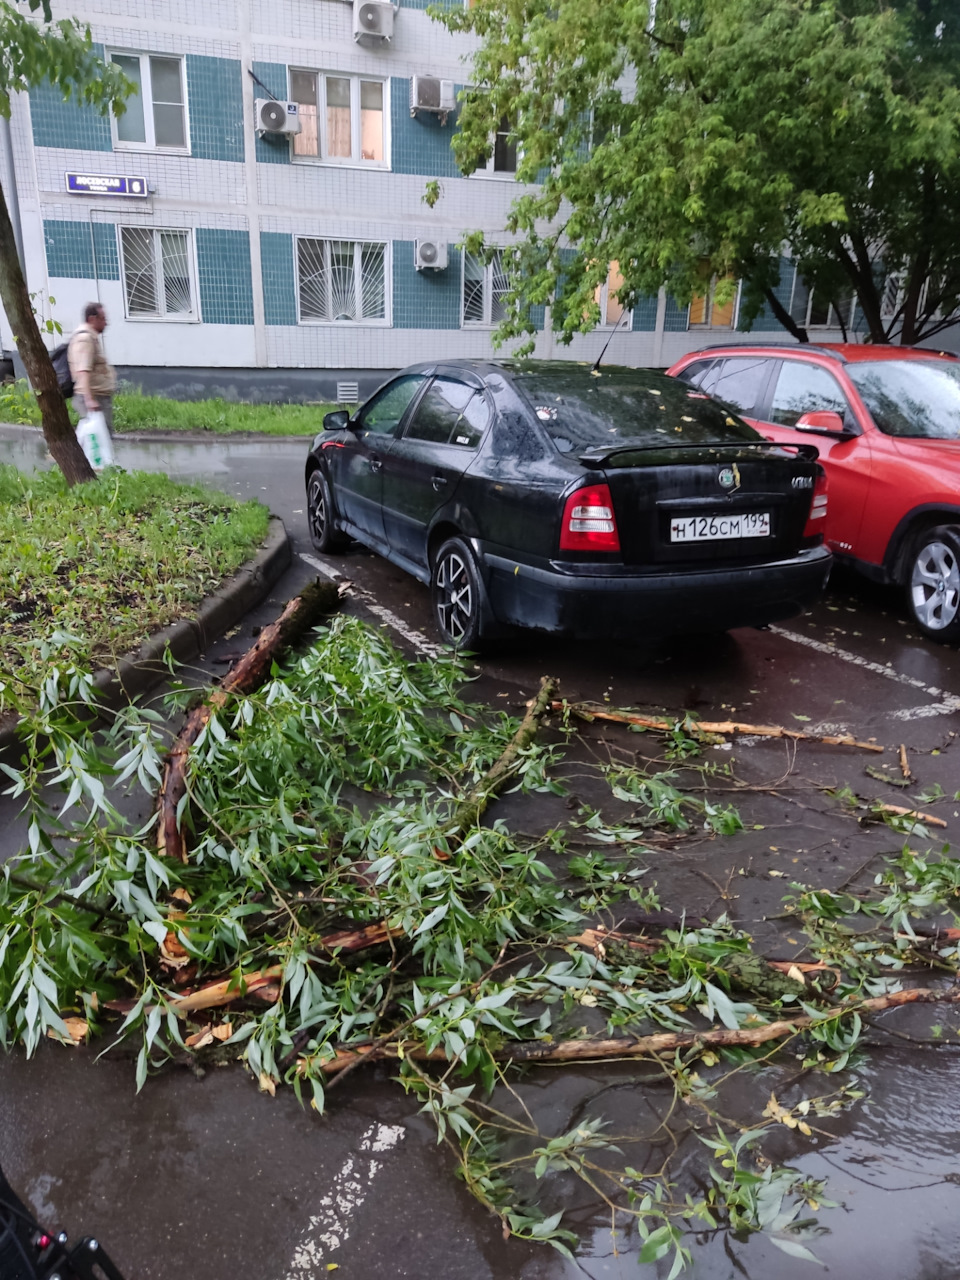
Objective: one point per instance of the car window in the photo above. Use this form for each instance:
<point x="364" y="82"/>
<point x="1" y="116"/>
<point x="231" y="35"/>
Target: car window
<point x="740" y="381"/>
<point x="582" y="410"/>
<point x="382" y="414"/>
<point x="693" y="373"/>
<point x="804" y="388"/>
<point x="473" y="422"/>
<point x="919" y="398"/>
<point x="439" y="411"/>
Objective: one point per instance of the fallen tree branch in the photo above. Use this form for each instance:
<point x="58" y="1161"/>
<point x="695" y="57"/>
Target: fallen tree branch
<point x="900" y="811"/>
<point x="646" y="1046"/>
<point x="589" y="711"/>
<point x="469" y="810"/>
<point x="247" y="674"/>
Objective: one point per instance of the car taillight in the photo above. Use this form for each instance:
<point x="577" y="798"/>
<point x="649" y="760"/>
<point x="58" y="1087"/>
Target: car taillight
<point x="588" y="521"/>
<point x="818" y="508"/>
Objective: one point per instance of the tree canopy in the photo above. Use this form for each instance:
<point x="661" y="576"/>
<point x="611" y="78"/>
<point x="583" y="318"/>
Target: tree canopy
<point x="686" y="140"/>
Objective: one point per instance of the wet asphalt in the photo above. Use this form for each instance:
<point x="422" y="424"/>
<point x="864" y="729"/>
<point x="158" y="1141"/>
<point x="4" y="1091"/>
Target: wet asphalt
<point x="209" y="1177"/>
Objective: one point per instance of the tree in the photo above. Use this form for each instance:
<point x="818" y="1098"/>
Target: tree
<point x="689" y="140"/>
<point x="62" y="53"/>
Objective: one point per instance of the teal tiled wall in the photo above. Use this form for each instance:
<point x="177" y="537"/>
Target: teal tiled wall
<point x="419" y="144"/>
<point x="272" y="149"/>
<point x="424" y="299"/>
<point x="675" y="318"/>
<point x="215" y="98"/>
<point x="223" y="274"/>
<point x="279" y="286"/>
<point x="71" y="251"/>
<point x="766" y="321"/>
<point x="59" y="122"/>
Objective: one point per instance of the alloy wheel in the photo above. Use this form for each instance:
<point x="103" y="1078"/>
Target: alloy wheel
<point x="454" y="596"/>
<point x="935" y="586"/>
<point x="316" y="508"/>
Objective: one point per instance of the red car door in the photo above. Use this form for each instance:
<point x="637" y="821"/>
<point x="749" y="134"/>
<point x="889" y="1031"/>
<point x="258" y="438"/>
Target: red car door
<point x="801" y="386"/>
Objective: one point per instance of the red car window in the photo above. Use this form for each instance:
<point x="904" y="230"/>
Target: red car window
<point x="804" y="388"/>
<point x="740" y="381"/>
<point x="911" y="397"/>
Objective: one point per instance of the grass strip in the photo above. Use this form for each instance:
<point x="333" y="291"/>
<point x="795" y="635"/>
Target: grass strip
<point x="112" y="561"/>
<point x="134" y="411"/>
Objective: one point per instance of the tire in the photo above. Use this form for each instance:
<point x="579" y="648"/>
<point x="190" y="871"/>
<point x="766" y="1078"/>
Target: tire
<point x="933" y="583"/>
<point x="459" y="598"/>
<point x="324" y="533"/>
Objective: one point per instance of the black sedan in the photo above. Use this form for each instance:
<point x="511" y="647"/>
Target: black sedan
<point x="597" y="503"/>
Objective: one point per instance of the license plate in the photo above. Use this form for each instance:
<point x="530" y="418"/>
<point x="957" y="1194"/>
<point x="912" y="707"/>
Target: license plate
<point x="749" y="524"/>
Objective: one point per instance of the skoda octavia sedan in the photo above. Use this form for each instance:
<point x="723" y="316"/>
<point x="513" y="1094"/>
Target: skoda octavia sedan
<point x="595" y="503"/>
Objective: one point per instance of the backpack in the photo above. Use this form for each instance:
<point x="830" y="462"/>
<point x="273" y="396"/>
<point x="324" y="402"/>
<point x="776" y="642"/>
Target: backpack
<point x="61" y="366"/>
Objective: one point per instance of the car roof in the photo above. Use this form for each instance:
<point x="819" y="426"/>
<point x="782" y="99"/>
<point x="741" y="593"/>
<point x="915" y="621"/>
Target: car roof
<point x="844" y="352"/>
<point x="531" y="368"/>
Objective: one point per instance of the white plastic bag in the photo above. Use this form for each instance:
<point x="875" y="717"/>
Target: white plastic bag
<point x="95" y="440"/>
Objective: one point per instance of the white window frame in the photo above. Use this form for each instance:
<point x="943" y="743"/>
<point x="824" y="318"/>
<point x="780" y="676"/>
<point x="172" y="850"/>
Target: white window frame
<point x="354" y="160"/>
<point x="498" y="175"/>
<point x="487" y="294"/>
<point x="384" y="322"/>
<point x="174" y="317"/>
<point x="146" y="79"/>
<point x="832" y="321"/>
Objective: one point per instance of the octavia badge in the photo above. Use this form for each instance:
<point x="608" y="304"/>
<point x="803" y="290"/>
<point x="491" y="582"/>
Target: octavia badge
<point x="729" y="478"/>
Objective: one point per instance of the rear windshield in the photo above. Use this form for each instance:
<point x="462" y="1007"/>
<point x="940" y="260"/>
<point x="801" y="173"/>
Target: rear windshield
<point x="919" y="398"/>
<point x="583" y="412"/>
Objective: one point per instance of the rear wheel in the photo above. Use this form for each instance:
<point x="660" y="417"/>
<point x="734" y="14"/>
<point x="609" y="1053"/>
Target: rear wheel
<point x="458" y="595"/>
<point x="933" y="583"/>
<point x="324" y="533"/>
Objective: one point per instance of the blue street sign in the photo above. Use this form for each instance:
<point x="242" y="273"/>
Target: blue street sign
<point x="106" y="184"/>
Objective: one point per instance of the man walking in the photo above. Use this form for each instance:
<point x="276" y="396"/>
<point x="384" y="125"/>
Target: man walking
<point x="94" y="380"/>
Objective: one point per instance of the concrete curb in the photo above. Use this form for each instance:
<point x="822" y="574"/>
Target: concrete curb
<point x="139" y="672"/>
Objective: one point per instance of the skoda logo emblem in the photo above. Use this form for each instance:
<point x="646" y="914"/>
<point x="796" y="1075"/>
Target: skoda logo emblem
<point x="727" y="478"/>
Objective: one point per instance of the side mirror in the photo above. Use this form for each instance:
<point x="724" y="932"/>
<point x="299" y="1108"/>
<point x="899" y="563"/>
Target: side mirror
<point x="339" y="420"/>
<point x="823" y="422"/>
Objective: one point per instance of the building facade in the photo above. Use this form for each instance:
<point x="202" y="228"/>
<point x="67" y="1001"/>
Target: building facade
<point x="271" y="264"/>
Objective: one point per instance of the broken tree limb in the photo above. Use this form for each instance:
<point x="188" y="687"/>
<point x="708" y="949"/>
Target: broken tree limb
<point x="904" y="764"/>
<point x="469" y="810"/>
<point x="900" y="811"/>
<point x="246" y="675"/>
<point x="590" y="711"/>
<point x="652" y="1045"/>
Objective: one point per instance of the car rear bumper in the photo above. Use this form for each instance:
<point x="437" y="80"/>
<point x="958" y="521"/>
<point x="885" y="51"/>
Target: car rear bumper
<point x="641" y="605"/>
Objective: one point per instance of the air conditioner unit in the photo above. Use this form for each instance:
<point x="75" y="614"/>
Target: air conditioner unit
<point x="430" y="255"/>
<point x="276" y="117"/>
<point x="372" y="20"/>
<point x="427" y="93"/>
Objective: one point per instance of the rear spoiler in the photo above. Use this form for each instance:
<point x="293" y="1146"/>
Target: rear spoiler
<point x="595" y="458"/>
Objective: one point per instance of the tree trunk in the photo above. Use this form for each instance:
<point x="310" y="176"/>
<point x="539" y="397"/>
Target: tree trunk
<point x="57" y="429"/>
<point x="784" y="316"/>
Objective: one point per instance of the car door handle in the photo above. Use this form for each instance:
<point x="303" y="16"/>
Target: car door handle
<point x="439" y="482"/>
<point x="376" y="462"/>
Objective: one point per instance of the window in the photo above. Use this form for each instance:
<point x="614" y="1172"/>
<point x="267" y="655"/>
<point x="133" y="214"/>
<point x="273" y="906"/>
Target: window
<point x="341" y="281"/>
<point x="607" y="297"/>
<point x="342" y="119"/>
<point x="450" y="413"/>
<point x="382" y="414"/>
<point x="693" y="373"/>
<point x="707" y="313"/>
<point x="157" y="274"/>
<point x="739" y="381"/>
<point x="484" y="288"/>
<point x="804" y="388"/>
<point x="156" y="115"/>
<point x="811" y="309"/>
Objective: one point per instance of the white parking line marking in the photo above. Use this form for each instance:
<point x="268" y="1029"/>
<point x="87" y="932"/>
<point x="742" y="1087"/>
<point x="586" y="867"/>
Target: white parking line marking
<point x="413" y="637"/>
<point x="330" y="1228"/>
<point x="945" y="704"/>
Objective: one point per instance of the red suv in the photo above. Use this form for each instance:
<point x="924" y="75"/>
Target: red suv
<point x="886" y="421"/>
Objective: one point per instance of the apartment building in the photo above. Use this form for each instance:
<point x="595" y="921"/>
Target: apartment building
<point x="255" y="221"/>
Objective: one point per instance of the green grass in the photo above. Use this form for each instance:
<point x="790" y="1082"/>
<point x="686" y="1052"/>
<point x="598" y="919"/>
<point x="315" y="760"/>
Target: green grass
<point x="112" y="561"/>
<point x="133" y="411"/>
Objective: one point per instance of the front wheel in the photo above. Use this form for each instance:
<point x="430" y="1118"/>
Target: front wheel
<point x="324" y="533"/>
<point x="933" y="584"/>
<point x="458" y="595"/>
